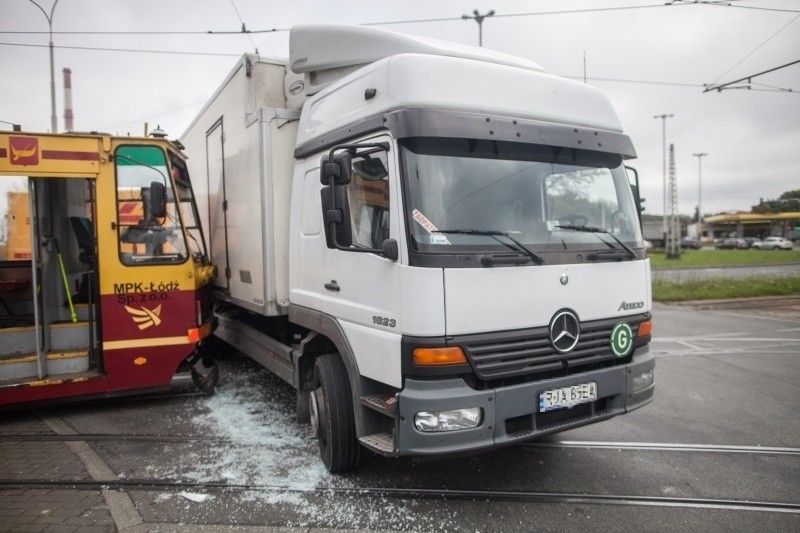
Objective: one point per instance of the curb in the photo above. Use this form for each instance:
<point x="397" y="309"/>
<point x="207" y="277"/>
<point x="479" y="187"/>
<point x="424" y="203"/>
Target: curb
<point x="740" y="303"/>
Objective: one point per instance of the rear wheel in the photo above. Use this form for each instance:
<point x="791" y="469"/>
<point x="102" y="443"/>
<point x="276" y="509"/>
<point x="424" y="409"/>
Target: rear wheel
<point x="331" y="413"/>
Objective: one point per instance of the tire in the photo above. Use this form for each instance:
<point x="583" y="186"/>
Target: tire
<point x="331" y="410"/>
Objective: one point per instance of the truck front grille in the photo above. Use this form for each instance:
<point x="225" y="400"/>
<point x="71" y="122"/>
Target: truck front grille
<point x="529" y="352"/>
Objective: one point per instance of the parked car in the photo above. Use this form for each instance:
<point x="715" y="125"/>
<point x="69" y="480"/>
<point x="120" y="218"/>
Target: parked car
<point x="691" y="242"/>
<point x="773" y="243"/>
<point x="750" y="241"/>
<point x="737" y="244"/>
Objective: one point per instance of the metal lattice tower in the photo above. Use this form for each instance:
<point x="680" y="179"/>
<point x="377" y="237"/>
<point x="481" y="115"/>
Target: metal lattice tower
<point x="674" y="226"/>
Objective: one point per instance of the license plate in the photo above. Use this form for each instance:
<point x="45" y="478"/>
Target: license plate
<point x="567" y="396"/>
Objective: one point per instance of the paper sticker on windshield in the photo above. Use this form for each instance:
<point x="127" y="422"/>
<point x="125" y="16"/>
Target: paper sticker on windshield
<point x="422" y="220"/>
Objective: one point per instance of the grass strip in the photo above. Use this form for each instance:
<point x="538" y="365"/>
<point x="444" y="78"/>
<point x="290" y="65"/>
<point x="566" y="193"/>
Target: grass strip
<point x="721" y="288"/>
<point x="723" y="258"/>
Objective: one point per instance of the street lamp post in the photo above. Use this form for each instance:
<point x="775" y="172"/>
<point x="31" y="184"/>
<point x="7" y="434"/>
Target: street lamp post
<point x="700" y="157"/>
<point x="664" y="169"/>
<point x="53" y="120"/>
<point x="479" y="19"/>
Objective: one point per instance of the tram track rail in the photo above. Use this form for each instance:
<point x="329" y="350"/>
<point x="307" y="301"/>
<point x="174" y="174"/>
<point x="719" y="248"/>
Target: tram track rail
<point x="417" y="493"/>
<point x="590" y="445"/>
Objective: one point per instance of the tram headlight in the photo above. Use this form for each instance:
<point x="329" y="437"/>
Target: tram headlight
<point x="437" y="421"/>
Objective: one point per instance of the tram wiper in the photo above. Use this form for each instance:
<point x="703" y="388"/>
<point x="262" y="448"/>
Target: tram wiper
<point x="607" y="254"/>
<point x="536" y="258"/>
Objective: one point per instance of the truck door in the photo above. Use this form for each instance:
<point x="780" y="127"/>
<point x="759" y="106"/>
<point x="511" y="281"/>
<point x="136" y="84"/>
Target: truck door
<point x="218" y="203"/>
<point x="362" y="290"/>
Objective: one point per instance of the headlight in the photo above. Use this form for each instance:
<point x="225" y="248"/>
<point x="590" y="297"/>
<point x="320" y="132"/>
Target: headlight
<point x="643" y="380"/>
<point x="448" y="420"/>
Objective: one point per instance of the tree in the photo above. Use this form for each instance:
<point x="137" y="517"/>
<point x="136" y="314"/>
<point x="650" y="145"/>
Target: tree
<point x="791" y="194"/>
<point x="788" y="201"/>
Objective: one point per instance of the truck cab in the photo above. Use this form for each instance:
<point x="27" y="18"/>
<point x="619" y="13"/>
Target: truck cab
<point x="464" y="267"/>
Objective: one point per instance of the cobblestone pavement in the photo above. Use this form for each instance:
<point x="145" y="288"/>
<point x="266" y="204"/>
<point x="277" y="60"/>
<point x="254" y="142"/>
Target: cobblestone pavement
<point x="28" y="453"/>
<point x="43" y="509"/>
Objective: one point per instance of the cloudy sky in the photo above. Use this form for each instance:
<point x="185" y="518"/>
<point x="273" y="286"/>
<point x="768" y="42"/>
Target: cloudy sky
<point x="154" y="61"/>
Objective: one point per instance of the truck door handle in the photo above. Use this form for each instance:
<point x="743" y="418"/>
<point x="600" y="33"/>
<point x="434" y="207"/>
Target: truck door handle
<point x="332" y="286"/>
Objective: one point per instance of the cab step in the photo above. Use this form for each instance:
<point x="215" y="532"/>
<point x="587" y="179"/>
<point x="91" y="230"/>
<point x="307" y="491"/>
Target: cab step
<point x="382" y="403"/>
<point x="381" y="443"/>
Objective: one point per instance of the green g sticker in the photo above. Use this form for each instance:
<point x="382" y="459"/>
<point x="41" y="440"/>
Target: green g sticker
<point x="621" y="339"/>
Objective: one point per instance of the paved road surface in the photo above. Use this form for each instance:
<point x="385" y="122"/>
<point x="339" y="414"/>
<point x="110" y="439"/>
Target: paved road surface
<point x="716" y="451"/>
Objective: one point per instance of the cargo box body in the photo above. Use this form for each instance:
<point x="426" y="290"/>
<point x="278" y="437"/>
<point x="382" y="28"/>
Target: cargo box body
<point x="241" y="157"/>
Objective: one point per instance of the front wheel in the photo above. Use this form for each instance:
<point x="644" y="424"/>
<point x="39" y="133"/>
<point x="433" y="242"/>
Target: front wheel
<point x="331" y="413"/>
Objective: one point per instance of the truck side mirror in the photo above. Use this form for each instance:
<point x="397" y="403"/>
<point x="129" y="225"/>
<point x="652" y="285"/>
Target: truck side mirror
<point x="158" y="199"/>
<point x="635" y="191"/>
<point x="340" y="169"/>
<point x="370" y="168"/>
<point x="338" y="231"/>
<point x="390" y="249"/>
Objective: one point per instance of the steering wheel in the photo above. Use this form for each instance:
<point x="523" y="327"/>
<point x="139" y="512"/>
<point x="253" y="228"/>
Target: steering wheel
<point x="573" y="220"/>
<point x="619" y="222"/>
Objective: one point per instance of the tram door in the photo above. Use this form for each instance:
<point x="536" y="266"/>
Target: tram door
<point x="47" y="280"/>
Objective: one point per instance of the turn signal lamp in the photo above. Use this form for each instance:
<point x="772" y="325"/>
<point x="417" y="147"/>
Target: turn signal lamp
<point x="439" y="356"/>
<point x="198" y="334"/>
<point x="645" y="328"/>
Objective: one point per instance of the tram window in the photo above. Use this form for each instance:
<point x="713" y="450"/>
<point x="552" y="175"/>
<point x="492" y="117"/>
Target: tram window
<point x="15" y="220"/>
<point x="148" y="221"/>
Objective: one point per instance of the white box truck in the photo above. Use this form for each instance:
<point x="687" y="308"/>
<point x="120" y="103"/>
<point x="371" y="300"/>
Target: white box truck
<point x="437" y="245"/>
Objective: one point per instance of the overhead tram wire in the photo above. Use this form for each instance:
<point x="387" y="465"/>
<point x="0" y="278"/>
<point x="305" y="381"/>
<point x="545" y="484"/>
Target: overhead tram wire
<point x="244" y="28"/>
<point x="222" y="54"/>
<point x="729" y="85"/>
<point x="385" y="23"/>
<point x="129" y="50"/>
<point x="727" y="3"/>
<point x="755" y="50"/>
<point x="389" y="23"/>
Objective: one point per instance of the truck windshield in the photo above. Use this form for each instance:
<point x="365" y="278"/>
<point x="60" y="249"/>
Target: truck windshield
<point x="460" y="191"/>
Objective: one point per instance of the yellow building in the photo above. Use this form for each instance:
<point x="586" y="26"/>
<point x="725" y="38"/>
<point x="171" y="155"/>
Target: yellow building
<point x="759" y="225"/>
<point x="18" y="227"/>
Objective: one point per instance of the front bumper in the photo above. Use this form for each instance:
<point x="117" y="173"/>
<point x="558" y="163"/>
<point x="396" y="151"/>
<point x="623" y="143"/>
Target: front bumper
<point x="510" y="414"/>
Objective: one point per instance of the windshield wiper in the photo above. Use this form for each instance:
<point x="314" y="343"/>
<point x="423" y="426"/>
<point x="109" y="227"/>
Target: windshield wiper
<point x="599" y="255"/>
<point x="536" y="258"/>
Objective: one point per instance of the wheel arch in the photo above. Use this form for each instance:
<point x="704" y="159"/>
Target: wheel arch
<point x="329" y="334"/>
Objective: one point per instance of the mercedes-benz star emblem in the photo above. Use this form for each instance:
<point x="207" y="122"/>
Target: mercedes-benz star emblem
<point x="565" y="330"/>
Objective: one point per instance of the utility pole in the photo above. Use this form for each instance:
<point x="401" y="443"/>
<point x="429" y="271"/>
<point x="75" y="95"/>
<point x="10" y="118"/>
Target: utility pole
<point x="700" y="157"/>
<point x="674" y="236"/>
<point x="664" y="171"/>
<point x="477" y="17"/>
<point x="53" y="120"/>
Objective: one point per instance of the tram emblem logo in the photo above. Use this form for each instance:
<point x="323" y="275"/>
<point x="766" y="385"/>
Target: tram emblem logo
<point x="145" y="317"/>
<point x="24" y="150"/>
